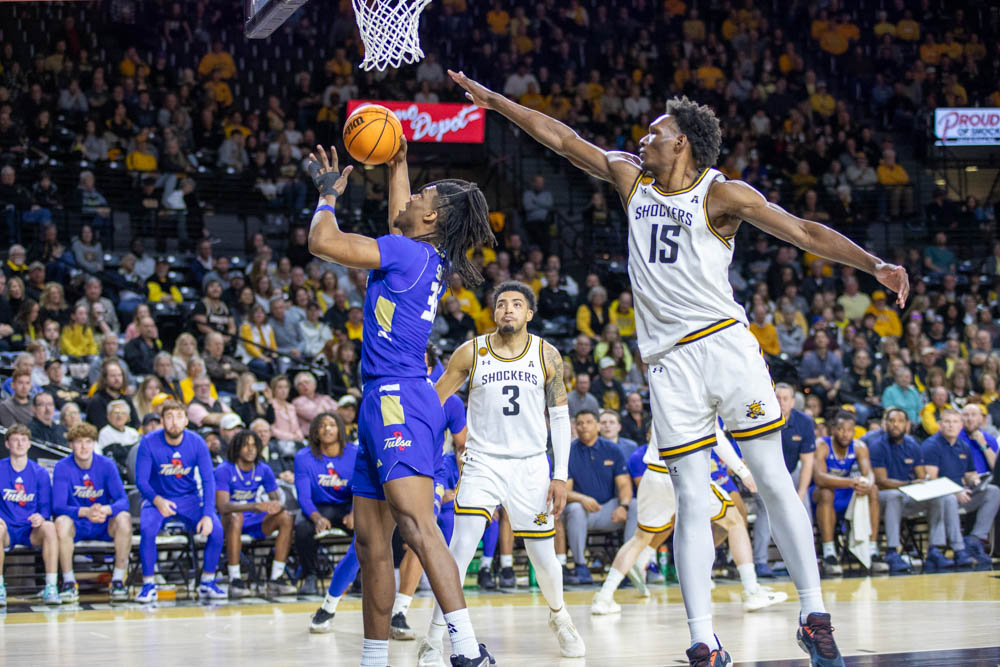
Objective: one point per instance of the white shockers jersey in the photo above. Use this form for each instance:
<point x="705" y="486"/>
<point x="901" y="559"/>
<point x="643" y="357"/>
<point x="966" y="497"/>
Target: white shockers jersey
<point x="507" y="401"/>
<point x="678" y="265"/>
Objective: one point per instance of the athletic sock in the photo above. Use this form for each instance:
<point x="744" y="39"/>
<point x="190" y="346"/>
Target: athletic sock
<point x="611" y="583"/>
<point x="873" y="548"/>
<point x="374" y="652"/>
<point x="748" y="576"/>
<point x="207" y="577"/>
<point x="234" y="572"/>
<point x="69" y="577"/>
<point x="646" y="556"/>
<point x="435" y="633"/>
<point x="506" y="560"/>
<point x="118" y="574"/>
<point x="486" y="562"/>
<point x="277" y="569"/>
<point x="330" y="603"/>
<point x="401" y="604"/>
<point x="562" y="559"/>
<point x="828" y="550"/>
<point x="52" y="579"/>
<point x="811" y="602"/>
<point x="463" y="638"/>
<point x="148" y="580"/>
<point x="701" y="631"/>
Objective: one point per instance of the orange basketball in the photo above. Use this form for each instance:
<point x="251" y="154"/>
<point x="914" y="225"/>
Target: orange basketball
<point x="372" y="134"/>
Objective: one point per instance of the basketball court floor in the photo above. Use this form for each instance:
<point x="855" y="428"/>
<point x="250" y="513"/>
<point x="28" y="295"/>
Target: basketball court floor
<point x="922" y="620"/>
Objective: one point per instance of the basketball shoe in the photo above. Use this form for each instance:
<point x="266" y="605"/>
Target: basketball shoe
<point x="816" y="638"/>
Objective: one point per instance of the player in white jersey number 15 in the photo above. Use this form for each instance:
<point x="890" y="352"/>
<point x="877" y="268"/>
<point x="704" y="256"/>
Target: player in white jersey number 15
<point x="513" y="377"/>
<point x="703" y="363"/>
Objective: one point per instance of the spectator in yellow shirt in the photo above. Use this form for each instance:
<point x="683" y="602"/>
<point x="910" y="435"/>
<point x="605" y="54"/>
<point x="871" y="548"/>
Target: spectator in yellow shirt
<point x="217" y="58"/>
<point x="132" y="65"/>
<point x="593" y="315"/>
<point x="533" y="99"/>
<point x="141" y="157"/>
<point x="833" y="41"/>
<point x="894" y="178"/>
<point x="160" y="287"/>
<point x="930" y="51"/>
<point x="622" y="315"/>
<point x="77" y="338"/>
<point x="693" y="28"/>
<point x="765" y="332"/>
<point x="884" y="27"/>
<point x="886" y="320"/>
<point x="931" y="413"/>
<point x="498" y="19"/>
<point x="708" y="74"/>
<point x="790" y="61"/>
<point x="907" y="29"/>
<point x="467" y="301"/>
<point x="821" y="101"/>
<point x="220" y="89"/>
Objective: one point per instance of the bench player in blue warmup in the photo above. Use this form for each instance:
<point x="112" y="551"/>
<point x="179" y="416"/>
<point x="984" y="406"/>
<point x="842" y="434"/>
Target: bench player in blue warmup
<point x="238" y="481"/>
<point x="400" y="418"/>
<point x="89" y="502"/>
<point x="25" y="510"/>
<point x="164" y="472"/>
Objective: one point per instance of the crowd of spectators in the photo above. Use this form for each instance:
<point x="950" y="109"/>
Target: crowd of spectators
<point x="815" y="105"/>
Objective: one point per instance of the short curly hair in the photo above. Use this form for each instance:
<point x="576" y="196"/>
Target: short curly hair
<point x="701" y="126"/>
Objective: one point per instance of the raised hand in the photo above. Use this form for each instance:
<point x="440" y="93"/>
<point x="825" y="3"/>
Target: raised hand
<point x="477" y="93"/>
<point x="324" y="172"/>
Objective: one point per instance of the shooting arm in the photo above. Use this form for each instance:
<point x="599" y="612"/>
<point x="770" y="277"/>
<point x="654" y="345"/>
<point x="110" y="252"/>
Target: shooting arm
<point x="328" y="242"/>
<point x="399" y="186"/>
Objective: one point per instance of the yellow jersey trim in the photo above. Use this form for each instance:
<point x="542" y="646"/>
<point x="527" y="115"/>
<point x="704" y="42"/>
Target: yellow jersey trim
<point x="680" y="192"/>
<point x="758" y="431"/>
<point x="475" y="357"/>
<point x="726" y="503"/>
<point x="635" y="186"/>
<point x="711" y="228"/>
<point x="473" y="511"/>
<point x="687" y="448"/>
<point x="706" y="331"/>
<point x="654" y="530"/>
<point x="541" y="357"/>
<point x="656" y="468"/>
<point x="535" y="534"/>
<point x="489" y="347"/>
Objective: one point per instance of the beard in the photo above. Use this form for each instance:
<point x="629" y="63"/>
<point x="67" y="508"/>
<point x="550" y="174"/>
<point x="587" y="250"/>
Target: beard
<point x="173" y="435"/>
<point x="507" y="329"/>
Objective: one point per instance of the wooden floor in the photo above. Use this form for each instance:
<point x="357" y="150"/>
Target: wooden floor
<point x="876" y="619"/>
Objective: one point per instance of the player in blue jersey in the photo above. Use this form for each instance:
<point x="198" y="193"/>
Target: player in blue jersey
<point x="165" y="474"/>
<point x="238" y="481"/>
<point x="842" y="469"/>
<point x="25" y="510"/>
<point x="89" y="503"/>
<point x="444" y="494"/>
<point x="400" y="418"/>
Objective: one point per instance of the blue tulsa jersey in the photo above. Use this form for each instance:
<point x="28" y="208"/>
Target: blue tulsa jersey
<point x="243" y="485"/>
<point x="74" y="487"/>
<point x="165" y="470"/>
<point x="24" y="492"/>
<point x="400" y="306"/>
<point x="326" y="479"/>
<point x="840" y="467"/>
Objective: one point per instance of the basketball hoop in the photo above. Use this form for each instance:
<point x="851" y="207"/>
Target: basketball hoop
<point x="389" y="30"/>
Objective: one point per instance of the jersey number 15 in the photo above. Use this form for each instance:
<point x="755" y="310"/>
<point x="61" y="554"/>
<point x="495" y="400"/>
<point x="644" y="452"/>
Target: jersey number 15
<point x="660" y="235"/>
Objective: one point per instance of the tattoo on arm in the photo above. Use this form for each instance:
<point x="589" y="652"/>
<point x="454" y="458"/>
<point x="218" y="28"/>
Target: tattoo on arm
<point x="555" y="389"/>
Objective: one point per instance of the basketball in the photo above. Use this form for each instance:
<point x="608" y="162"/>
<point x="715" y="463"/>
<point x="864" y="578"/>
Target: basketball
<point x="372" y="134"/>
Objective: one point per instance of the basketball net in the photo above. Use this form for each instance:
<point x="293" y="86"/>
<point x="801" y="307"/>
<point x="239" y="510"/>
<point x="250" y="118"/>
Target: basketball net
<point x="389" y="30"/>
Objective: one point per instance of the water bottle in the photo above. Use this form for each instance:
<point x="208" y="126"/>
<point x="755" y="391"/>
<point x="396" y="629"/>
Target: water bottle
<point x="532" y="581"/>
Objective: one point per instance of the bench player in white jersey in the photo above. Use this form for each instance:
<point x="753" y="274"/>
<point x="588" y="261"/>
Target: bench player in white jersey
<point x="513" y="376"/>
<point x="703" y="362"/>
<point x="656" y="503"/>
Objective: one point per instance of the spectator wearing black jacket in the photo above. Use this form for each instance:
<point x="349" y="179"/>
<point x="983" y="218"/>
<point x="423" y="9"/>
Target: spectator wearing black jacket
<point x="110" y="387"/>
<point x="553" y="300"/>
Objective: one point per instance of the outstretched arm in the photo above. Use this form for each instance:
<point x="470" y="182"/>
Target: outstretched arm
<point x="457" y="372"/>
<point x="737" y="201"/>
<point x="399" y="186"/>
<point x="616" y="167"/>
<point x="326" y="240"/>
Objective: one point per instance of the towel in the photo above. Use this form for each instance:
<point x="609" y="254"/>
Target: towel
<point x="859" y="537"/>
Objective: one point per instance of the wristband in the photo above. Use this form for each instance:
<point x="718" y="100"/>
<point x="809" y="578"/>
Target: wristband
<point x="325" y="207"/>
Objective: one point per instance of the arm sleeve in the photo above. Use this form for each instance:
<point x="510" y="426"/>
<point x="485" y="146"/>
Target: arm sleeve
<point x="559" y="422"/>
<point x="60" y="493"/>
<point x="270" y="482"/>
<point x="303" y="487"/>
<point x="724" y="450"/>
<point x="44" y="494"/>
<point x="116" y="490"/>
<point x="143" y="468"/>
<point x="207" y="480"/>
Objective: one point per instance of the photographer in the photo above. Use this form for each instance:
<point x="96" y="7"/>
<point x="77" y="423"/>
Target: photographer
<point x="253" y="400"/>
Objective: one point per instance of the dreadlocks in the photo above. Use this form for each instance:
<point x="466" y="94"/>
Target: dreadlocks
<point x="701" y="126"/>
<point x="463" y="223"/>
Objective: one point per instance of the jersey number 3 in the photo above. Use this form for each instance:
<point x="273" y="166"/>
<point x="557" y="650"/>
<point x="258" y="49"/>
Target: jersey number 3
<point x="512" y="392"/>
<point x="660" y="234"/>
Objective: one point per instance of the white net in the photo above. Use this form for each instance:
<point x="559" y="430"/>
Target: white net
<point x="389" y="30"/>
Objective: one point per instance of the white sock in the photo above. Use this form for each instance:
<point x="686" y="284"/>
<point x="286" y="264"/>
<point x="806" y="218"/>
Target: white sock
<point x="118" y="574"/>
<point x="234" y="572"/>
<point x="562" y="559"/>
<point x="52" y="579"/>
<point x="148" y="580"/>
<point x="873" y="547"/>
<point x="277" y="569"/>
<point x="485" y="563"/>
<point x="374" y="652"/>
<point x="748" y="575"/>
<point x="330" y="604"/>
<point x="548" y="572"/>
<point x="810" y="601"/>
<point x="435" y="633"/>
<point x="506" y="560"/>
<point x="401" y="604"/>
<point x="207" y="577"/>
<point x="463" y="638"/>
<point x="701" y="632"/>
<point x="69" y="577"/>
<point x="646" y="556"/>
<point x="611" y="583"/>
<point x="828" y="550"/>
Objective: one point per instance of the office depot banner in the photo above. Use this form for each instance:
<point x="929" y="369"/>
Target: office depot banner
<point x="435" y="123"/>
<point x="967" y="126"/>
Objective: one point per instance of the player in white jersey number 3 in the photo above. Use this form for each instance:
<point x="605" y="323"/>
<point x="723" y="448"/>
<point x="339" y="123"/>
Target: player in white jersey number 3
<point x="513" y="377"/>
<point x="703" y="362"/>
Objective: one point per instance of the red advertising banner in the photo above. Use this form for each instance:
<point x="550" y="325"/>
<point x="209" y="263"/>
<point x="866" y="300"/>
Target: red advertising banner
<point x="435" y="123"/>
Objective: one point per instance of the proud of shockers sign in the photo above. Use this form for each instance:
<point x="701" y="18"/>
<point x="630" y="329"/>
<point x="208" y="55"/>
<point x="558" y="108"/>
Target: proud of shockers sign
<point x="435" y="123"/>
<point x="967" y="126"/>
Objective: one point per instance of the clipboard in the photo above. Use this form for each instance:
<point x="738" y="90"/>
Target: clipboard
<point x="936" y="488"/>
